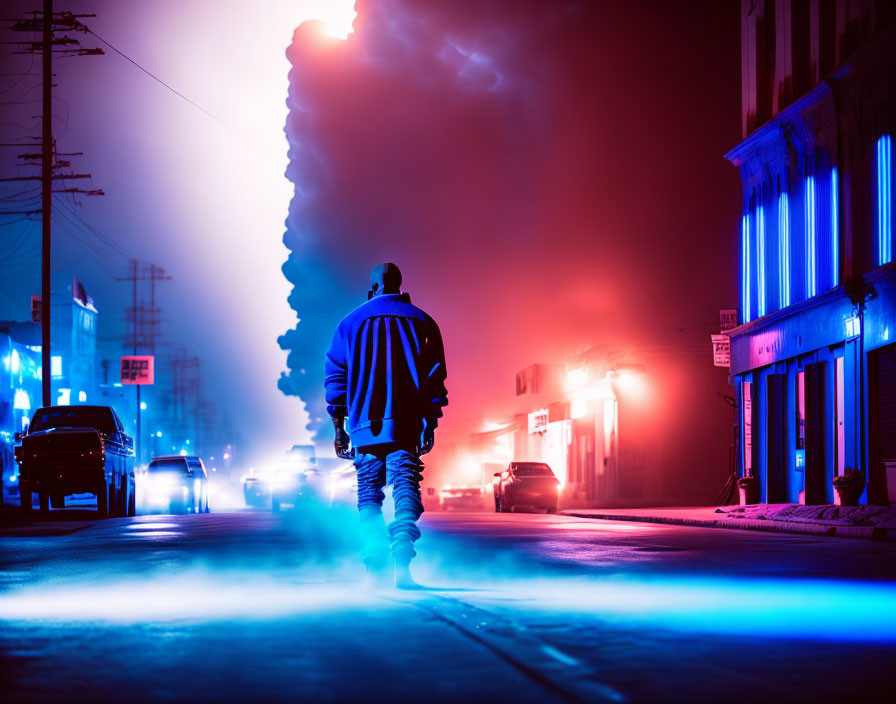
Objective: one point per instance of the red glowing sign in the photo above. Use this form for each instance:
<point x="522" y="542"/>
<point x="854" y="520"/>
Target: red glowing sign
<point x="138" y="370"/>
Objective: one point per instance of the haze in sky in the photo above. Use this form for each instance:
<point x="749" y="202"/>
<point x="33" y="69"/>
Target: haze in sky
<point x="549" y="176"/>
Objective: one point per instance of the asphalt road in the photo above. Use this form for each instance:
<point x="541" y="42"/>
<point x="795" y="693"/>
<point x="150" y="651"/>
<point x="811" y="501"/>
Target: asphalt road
<point x="256" y="607"/>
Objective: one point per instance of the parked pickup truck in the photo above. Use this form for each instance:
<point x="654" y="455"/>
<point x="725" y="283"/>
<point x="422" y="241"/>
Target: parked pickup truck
<point x="75" y="450"/>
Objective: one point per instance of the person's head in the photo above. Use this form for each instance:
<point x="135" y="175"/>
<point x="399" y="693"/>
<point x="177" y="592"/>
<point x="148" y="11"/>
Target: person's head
<point x="384" y="278"/>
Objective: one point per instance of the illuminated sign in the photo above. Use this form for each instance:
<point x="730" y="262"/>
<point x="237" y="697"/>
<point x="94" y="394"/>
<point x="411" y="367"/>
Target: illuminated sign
<point x="727" y="319"/>
<point x="538" y="421"/>
<point x="138" y="370"/>
<point x="721" y="351"/>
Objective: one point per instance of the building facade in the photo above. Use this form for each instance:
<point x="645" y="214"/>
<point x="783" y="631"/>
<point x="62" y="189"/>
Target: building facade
<point x="587" y="418"/>
<point x="814" y="360"/>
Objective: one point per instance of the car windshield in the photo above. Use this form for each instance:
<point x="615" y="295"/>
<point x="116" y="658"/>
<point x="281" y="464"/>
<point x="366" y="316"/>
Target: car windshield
<point x="532" y="469"/>
<point x="99" y="417"/>
<point x="172" y="465"/>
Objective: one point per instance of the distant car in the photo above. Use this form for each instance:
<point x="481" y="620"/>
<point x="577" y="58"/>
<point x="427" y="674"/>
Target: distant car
<point x="526" y="485"/>
<point x="176" y="483"/>
<point x="257" y="490"/>
<point x="290" y="488"/>
<point x="461" y="498"/>
<point x="296" y="478"/>
<point x="77" y="450"/>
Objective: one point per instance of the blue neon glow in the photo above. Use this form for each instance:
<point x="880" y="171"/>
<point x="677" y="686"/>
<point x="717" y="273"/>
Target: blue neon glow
<point x="835" y="229"/>
<point x="784" y="250"/>
<point x="810" y="237"/>
<point x="760" y="261"/>
<point x="884" y="200"/>
<point x="745" y="267"/>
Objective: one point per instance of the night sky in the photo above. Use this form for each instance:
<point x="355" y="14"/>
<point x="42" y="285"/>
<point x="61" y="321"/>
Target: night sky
<point x="549" y="176"/>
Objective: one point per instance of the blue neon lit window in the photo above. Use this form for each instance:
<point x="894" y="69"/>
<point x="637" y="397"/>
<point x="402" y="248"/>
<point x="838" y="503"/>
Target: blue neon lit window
<point x="784" y="250"/>
<point x="884" y="200"/>
<point x="745" y="267"/>
<point x="835" y="229"/>
<point x="760" y="261"/>
<point x="810" y="237"/>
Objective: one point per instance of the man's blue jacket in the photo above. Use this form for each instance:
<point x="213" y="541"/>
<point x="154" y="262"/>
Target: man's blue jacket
<point x="385" y="371"/>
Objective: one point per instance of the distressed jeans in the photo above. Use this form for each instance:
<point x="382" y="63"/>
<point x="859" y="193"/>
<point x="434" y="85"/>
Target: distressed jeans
<point x="377" y="467"/>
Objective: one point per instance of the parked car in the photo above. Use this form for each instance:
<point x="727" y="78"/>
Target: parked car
<point x="69" y="450"/>
<point x="526" y="485"/>
<point x="462" y="498"/>
<point x="176" y="483"/>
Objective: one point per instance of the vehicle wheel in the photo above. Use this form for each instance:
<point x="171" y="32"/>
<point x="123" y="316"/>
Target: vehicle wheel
<point x="102" y="500"/>
<point x="57" y="500"/>
<point x="44" y="500"/>
<point x="25" y="500"/>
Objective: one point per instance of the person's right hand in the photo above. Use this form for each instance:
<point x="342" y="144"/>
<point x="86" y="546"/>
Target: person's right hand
<point x="428" y="436"/>
<point x="342" y="441"/>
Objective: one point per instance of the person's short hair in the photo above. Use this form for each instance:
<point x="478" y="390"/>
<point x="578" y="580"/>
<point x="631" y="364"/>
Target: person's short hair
<point x="385" y="278"/>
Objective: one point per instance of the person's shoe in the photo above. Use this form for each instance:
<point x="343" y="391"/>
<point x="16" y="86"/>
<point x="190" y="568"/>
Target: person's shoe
<point x="403" y="579"/>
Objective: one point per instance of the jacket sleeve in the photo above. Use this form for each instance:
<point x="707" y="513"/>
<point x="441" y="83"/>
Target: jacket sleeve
<point x="432" y="383"/>
<point x="336" y="376"/>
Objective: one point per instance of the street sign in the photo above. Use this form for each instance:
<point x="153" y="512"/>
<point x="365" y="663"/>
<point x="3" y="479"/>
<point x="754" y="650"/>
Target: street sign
<point x="721" y="351"/>
<point x="538" y="421"/>
<point x="138" y="370"/>
<point x="727" y="319"/>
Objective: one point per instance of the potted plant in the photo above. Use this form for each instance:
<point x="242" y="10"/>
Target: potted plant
<point x="748" y="489"/>
<point x="849" y="487"/>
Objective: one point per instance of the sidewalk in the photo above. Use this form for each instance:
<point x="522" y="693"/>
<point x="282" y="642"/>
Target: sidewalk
<point x="870" y="522"/>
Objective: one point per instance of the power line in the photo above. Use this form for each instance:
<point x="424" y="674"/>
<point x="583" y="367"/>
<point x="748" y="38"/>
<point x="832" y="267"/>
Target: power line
<point x="159" y="80"/>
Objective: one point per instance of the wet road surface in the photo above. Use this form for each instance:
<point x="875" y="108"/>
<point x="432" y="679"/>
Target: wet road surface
<point x="250" y="606"/>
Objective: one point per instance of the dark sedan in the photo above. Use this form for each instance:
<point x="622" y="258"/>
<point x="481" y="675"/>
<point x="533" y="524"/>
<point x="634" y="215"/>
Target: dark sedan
<point x="526" y="485"/>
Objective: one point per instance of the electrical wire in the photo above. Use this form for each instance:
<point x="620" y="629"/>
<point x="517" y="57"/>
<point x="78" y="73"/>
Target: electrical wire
<point x="159" y="80"/>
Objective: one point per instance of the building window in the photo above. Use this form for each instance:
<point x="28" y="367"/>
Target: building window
<point x="884" y="201"/>
<point x="783" y="250"/>
<point x="840" y="405"/>
<point x="811" y="243"/>
<point x="760" y="261"/>
<point x="745" y="267"/>
<point x="748" y="428"/>
<point x="835" y="229"/>
<point x="800" y="419"/>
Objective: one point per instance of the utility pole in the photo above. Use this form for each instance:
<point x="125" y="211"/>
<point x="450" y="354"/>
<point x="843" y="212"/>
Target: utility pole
<point x="46" y="194"/>
<point x="47" y="23"/>
<point x="143" y="325"/>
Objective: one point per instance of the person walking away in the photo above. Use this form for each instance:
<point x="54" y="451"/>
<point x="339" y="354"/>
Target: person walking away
<point x="385" y="390"/>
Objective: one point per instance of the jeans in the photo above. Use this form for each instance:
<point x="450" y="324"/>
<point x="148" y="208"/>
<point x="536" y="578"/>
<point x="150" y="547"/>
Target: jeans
<point x="378" y="466"/>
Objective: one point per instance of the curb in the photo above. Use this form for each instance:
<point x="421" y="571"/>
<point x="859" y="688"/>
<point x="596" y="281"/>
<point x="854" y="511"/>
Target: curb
<point x="863" y="532"/>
